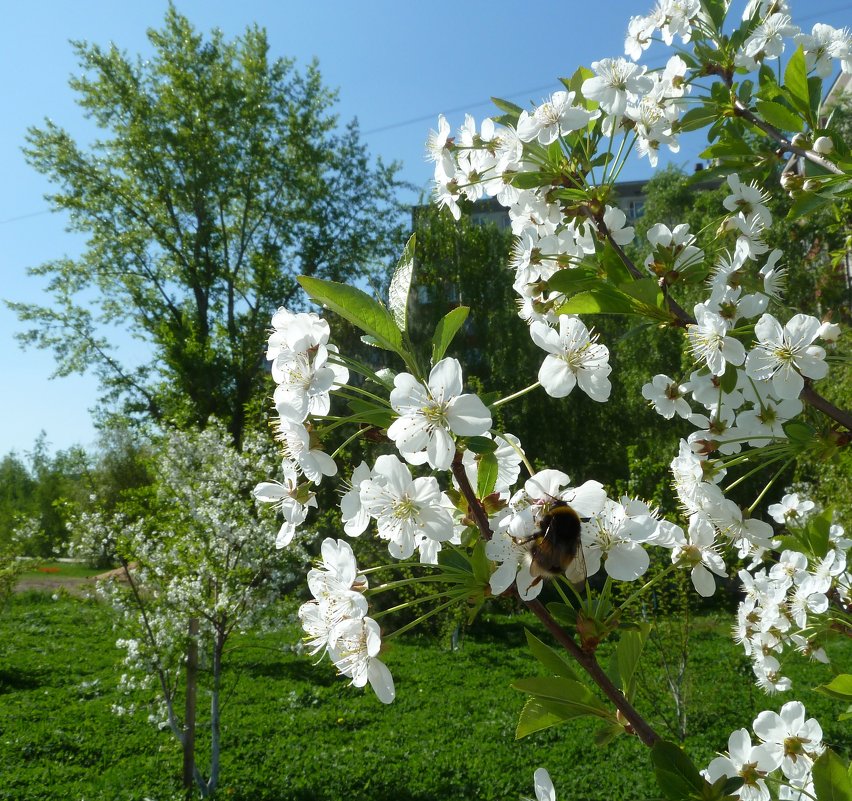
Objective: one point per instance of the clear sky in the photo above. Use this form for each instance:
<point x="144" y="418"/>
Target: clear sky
<point x="396" y="64"/>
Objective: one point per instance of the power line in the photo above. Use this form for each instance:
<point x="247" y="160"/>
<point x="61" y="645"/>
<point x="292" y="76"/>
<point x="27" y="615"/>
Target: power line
<point x="26" y="216"/>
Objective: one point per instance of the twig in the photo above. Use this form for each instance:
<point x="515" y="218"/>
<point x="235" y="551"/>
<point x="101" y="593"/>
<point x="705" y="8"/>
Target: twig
<point x="773" y="133"/>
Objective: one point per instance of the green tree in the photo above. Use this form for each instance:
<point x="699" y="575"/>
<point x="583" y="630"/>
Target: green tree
<point x="221" y="176"/>
<point x="463" y="263"/>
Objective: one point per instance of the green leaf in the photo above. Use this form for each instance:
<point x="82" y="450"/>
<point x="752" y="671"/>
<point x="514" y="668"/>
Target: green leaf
<point x="530" y="180"/>
<point x="818" y="530"/>
<point x="806" y="203"/>
<point x="716" y="10"/>
<point x="572" y="280"/>
<point x="729" y="379"/>
<point x="796" y="82"/>
<point x="840" y="687"/>
<point x="779" y="116"/>
<point x="831" y="779"/>
<point x="554" y="701"/>
<point x="486" y="474"/>
<point x="554" y="662"/>
<point x="698" y="117"/>
<point x="480" y="444"/>
<point x="446" y="330"/>
<point x="646" y="290"/>
<point x="507" y="106"/>
<point x="606" y="734"/>
<point x="358" y="308"/>
<point x="605" y="300"/>
<point x="628" y="653"/>
<point x="798" y="432"/>
<point x="815" y="91"/>
<point x="400" y="285"/>
<point x="677" y="777"/>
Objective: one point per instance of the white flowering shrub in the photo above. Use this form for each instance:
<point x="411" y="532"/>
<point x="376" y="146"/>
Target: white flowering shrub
<point x="197" y="564"/>
<point x="458" y="496"/>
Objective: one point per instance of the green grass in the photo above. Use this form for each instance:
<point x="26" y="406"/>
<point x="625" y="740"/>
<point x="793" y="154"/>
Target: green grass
<point x="294" y="730"/>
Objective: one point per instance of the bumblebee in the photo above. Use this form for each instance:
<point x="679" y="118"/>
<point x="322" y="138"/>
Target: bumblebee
<point x="554" y="547"/>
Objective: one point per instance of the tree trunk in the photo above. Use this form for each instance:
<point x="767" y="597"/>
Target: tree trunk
<point x="189" y="715"/>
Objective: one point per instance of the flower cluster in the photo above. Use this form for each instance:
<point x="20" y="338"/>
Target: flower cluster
<point x="782" y="601"/>
<point x="337" y="624"/>
<point x="788" y="745"/>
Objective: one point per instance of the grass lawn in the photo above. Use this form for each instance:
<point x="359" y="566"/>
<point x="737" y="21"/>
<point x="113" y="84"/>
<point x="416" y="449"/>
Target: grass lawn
<point x="293" y="730"/>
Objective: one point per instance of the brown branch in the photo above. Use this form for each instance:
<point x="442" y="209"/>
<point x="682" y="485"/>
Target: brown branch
<point x="682" y="316"/>
<point x="586" y="660"/>
<point x="773" y="133"/>
<point x="810" y="396"/>
<point x="474" y="506"/>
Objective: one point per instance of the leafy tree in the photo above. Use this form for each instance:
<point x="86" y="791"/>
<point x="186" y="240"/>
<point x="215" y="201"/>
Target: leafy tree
<point x="221" y="175"/>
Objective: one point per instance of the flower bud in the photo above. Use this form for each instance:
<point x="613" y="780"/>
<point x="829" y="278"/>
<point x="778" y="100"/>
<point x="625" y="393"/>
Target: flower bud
<point x="823" y="145"/>
<point x="800" y="140"/>
<point x="791" y="181"/>
<point x="830" y="332"/>
<point x="812" y="185"/>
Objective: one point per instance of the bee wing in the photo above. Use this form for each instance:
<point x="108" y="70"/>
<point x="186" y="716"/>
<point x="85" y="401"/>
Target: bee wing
<point x="576" y="571"/>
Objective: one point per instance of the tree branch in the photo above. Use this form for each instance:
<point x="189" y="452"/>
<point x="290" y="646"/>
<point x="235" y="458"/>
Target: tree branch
<point x="773" y="133"/>
<point x="586" y="660"/>
<point x="810" y="396"/>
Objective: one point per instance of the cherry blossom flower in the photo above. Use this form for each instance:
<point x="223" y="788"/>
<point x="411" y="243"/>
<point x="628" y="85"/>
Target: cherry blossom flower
<point x="785" y="355"/>
<point x="615" y="79"/>
<point x="428" y="415"/>
<point x="287" y="497"/>
<point x="710" y="342"/>
<point x="404" y="507"/>
<point x="699" y="553"/>
<point x="791" y="510"/>
<point x="667" y="397"/>
<point x="357" y="644"/>
<point x="615" y="533"/>
<point x="575" y="358"/>
<point x="793" y="741"/>
<point x="554" y="117"/>
<point x="749" y="762"/>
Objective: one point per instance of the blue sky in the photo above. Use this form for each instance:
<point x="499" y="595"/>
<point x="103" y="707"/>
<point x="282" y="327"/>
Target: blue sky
<point x="396" y="65"/>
